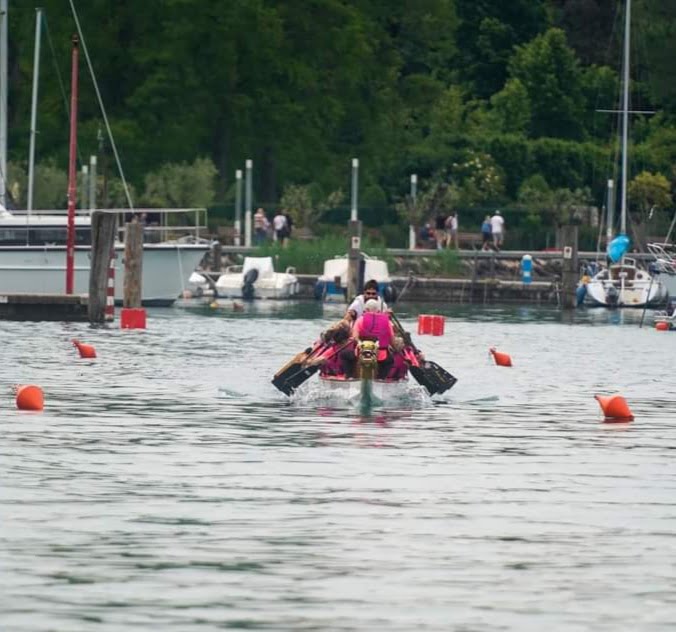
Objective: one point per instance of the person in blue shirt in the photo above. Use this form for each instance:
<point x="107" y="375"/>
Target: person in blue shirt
<point x="486" y="233"/>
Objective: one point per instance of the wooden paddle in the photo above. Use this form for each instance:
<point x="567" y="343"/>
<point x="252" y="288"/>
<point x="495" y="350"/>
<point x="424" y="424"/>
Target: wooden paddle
<point x="297" y="371"/>
<point x="285" y="379"/>
<point x="429" y="374"/>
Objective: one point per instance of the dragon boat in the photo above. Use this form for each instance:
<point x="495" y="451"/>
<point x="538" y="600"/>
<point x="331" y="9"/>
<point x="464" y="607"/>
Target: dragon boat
<point x="365" y="386"/>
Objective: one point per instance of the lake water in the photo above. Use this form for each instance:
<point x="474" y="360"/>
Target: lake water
<point x="168" y="486"/>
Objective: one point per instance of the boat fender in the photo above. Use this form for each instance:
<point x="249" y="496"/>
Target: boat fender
<point x="248" y="286"/>
<point x="580" y="294"/>
<point x="320" y="288"/>
<point x="390" y="294"/>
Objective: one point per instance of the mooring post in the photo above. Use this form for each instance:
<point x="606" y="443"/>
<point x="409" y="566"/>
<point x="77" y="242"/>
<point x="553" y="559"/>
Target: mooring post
<point x="216" y="256"/>
<point x="133" y="264"/>
<point x="103" y="240"/>
<point x="569" y="268"/>
<point x="353" y="259"/>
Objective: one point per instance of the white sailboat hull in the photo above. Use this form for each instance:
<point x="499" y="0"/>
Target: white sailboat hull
<point x="42" y="269"/>
<point x="625" y="286"/>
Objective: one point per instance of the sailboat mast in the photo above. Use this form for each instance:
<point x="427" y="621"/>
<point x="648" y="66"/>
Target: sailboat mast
<point x="72" y="176"/>
<point x="625" y="116"/>
<point x="3" y="102"/>
<point x="34" y="108"/>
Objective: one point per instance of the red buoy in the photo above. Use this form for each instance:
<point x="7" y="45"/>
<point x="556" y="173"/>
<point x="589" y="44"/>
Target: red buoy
<point x="662" y="325"/>
<point x="86" y="351"/>
<point x="29" y="397"/>
<point x="615" y="408"/>
<point x="501" y="359"/>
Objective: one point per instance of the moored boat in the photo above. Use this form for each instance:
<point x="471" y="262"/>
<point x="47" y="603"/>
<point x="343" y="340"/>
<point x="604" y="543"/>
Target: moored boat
<point x="33" y="256"/>
<point x="257" y="278"/>
<point x="624" y="284"/>
<point x="331" y="285"/>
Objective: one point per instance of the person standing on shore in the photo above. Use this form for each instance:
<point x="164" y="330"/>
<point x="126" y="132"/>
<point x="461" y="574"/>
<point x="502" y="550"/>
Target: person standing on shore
<point x="497" y="229"/>
<point x="261" y="225"/>
<point x="486" y="235"/>
<point x="440" y="231"/>
<point x="280" y="227"/>
<point x="452" y="230"/>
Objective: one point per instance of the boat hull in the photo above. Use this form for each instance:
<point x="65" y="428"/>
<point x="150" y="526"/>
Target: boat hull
<point x="364" y="391"/>
<point x="261" y="290"/>
<point x="624" y="285"/>
<point x="42" y="269"/>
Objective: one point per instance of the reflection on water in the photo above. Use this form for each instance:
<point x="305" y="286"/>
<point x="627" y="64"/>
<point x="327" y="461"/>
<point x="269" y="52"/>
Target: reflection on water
<point x="168" y="485"/>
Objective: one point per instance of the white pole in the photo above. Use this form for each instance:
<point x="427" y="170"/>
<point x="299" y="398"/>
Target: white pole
<point x="92" y="182"/>
<point x="355" y="178"/>
<point x="247" y="204"/>
<point x="611" y="211"/>
<point x="411" y="227"/>
<point x="34" y="110"/>
<point x="85" y="187"/>
<point x="3" y="102"/>
<point x="238" y="207"/>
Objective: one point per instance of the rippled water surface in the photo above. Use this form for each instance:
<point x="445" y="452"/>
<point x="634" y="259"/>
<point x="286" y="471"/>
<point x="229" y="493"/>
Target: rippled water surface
<point x="168" y="486"/>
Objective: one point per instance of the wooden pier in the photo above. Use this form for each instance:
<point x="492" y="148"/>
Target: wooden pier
<point x="36" y="307"/>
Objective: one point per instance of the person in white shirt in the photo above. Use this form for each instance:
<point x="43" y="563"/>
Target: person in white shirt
<point x="497" y="229"/>
<point x="279" y="225"/>
<point x="356" y="308"/>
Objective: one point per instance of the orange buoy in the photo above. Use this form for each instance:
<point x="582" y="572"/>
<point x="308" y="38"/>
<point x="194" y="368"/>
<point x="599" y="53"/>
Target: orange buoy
<point x="86" y="351"/>
<point x="29" y="397"/>
<point x="662" y="325"/>
<point x="615" y="408"/>
<point x="501" y="359"/>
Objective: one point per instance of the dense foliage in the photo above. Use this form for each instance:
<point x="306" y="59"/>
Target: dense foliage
<point x="482" y="94"/>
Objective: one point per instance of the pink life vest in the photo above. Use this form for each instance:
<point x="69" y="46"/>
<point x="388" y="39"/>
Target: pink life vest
<point x="376" y="326"/>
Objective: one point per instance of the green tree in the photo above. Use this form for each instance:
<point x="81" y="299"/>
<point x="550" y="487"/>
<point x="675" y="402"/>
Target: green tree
<point x="181" y="185"/>
<point x="551" y="75"/>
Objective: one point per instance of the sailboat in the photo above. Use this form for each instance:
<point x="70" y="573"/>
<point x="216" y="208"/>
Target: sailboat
<point x="623" y="283"/>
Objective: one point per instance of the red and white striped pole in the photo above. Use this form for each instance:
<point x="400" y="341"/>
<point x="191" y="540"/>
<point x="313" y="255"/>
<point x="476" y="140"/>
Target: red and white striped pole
<point x="110" y="289"/>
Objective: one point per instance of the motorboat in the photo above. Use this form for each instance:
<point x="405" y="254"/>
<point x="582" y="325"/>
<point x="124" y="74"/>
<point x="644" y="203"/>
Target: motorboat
<point x="624" y="284"/>
<point x="257" y="278"/>
<point x="33" y="255"/>
<point x="331" y="285"/>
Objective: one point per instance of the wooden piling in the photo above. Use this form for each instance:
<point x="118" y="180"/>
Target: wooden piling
<point x="103" y="240"/>
<point x="570" y="266"/>
<point x="353" y="259"/>
<point x="133" y="264"/>
<point x="216" y="256"/>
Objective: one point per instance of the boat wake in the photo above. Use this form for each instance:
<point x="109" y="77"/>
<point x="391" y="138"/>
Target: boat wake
<point x="408" y="394"/>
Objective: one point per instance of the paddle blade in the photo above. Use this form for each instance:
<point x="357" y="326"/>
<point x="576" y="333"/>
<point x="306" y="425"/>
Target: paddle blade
<point x="433" y="377"/>
<point x="292" y="377"/>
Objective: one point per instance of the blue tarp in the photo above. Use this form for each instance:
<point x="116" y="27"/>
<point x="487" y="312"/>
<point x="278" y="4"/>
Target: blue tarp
<point x="618" y="247"/>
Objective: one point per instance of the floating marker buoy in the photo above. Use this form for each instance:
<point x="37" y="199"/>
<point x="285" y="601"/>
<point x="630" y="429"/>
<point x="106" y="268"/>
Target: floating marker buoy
<point x="501" y="359"/>
<point x="29" y="397"/>
<point x="86" y="351"/>
<point x="662" y="325"/>
<point x="615" y="408"/>
<point x="237" y="307"/>
<point x="213" y="305"/>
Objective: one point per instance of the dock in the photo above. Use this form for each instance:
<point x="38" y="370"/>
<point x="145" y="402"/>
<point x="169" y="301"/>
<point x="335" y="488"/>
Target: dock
<point x="36" y="307"/>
